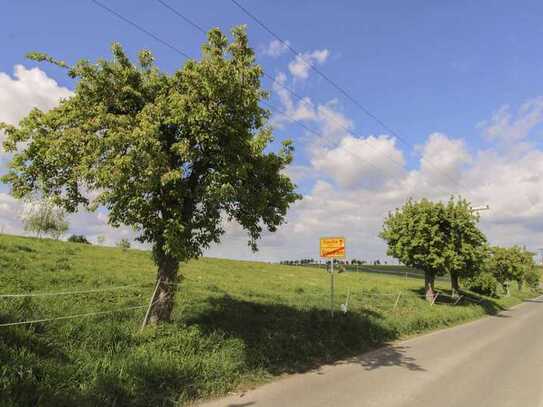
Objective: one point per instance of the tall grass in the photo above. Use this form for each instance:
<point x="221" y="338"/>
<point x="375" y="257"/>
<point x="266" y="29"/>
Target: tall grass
<point x="235" y="323"/>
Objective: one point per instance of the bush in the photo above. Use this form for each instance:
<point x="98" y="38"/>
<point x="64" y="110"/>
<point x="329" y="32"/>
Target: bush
<point x="484" y="283"/>
<point x="123" y="244"/>
<point x="78" y="239"/>
<point x="533" y="278"/>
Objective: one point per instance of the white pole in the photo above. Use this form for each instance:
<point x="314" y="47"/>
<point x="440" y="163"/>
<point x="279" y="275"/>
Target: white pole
<point x="146" y="318"/>
<point x="332" y="287"/>
<point x="480" y="208"/>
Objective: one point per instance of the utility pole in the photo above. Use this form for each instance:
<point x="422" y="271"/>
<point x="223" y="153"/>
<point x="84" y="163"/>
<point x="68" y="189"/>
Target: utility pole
<point x="480" y="208"/>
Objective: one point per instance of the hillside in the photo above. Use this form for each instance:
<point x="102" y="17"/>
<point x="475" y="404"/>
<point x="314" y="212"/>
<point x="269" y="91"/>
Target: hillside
<point x="236" y="323"/>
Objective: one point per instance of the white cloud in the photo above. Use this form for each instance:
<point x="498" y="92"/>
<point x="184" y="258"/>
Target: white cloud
<point x="511" y="182"/>
<point x="28" y="88"/>
<point x="356" y="162"/>
<point x="276" y="48"/>
<point x="507" y="127"/>
<point x="443" y="158"/>
<point x="300" y="66"/>
<point x="356" y="196"/>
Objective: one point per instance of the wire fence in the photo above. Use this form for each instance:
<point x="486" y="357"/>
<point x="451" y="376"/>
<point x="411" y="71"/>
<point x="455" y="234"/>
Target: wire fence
<point x="359" y="299"/>
<point x="51" y="294"/>
<point x="58" y="293"/>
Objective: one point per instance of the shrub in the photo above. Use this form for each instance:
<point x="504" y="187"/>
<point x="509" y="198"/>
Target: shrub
<point x="533" y="278"/>
<point x="78" y="239"/>
<point x="484" y="283"/>
<point x="123" y="244"/>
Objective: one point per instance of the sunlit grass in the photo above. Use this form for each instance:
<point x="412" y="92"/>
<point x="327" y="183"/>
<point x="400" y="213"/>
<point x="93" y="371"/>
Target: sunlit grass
<point x="234" y="323"/>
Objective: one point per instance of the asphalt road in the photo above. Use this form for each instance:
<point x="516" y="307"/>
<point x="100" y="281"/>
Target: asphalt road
<point x="496" y="362"/>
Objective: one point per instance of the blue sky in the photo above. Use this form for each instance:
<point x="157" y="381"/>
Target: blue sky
<point x="422" y="67"/>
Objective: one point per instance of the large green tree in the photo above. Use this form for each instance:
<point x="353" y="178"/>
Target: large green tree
<point x="467" y="246"/>
<point x="415" y="235"/>
<point x="437" y="238"/>
<point x="171" y="155"/>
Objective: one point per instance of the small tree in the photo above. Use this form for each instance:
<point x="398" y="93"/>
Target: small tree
<point x="415" y="237"/>
<point x="171" y="155"/>
<point x="100" y="239"/>
<point x="44" y="218"/>
<point x="509" y="264"/>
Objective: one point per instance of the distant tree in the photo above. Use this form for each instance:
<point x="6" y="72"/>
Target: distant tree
<point x="169" y="154"/>
<point x="508" y="264"/>
<point x="78" y="239"/>
<point x="437" y="238"/>
<point x="528" y="268"/>
<point x="533" y="277"/>
<point x="100" y="239"/>
<point x="43" y="217"/>
<point x="123" y="244"/>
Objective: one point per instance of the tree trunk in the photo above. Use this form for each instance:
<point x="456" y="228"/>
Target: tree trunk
<point x="163" y="300"/>
<point x="455" y="285"/>
<point x="429" y="285"/>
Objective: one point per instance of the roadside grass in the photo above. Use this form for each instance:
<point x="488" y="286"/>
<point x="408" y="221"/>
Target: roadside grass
<point x="236" y="324"/>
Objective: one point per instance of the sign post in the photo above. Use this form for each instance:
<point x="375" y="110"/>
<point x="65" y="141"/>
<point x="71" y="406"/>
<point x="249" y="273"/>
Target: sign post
<point x="332" y="248"/>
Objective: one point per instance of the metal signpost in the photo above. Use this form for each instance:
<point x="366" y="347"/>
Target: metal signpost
<point x="332" y="248"/>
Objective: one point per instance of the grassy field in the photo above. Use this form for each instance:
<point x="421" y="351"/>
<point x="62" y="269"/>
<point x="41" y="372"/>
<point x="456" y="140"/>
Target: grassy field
<point x="236" y="324"/>
<point x="395" y="269"/>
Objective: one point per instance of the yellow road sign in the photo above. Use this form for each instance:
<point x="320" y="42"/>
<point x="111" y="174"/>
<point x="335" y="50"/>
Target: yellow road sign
<point x="332" y="247"/>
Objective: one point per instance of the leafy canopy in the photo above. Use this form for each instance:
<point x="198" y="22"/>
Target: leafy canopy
<point x="510" y="263"/>
<point x="467" y="250"/>
<point x="172" y="155"/>
<point x="435" y="237"/>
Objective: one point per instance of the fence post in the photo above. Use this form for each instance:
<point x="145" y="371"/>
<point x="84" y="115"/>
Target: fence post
<point x="397" y="301"/>
<point x="146" y="318"/>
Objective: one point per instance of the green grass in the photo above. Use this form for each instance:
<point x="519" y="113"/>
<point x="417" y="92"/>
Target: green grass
<point x="395" y="269"/>
<point x="236" y="323"/>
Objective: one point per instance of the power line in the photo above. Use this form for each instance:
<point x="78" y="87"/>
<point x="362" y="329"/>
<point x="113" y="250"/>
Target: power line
<point x="187" y="20"/>
<point x="140" y="28"/>
<point x="274" y="81"/>
<point x="331" y="82"/>
<point x="296" y="95"/>
<point x="309" y="129"/>
<point x="199" y="28"/>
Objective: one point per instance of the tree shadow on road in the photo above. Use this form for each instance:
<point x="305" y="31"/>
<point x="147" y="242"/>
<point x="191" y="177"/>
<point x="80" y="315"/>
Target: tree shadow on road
<point x="390" y="355"/>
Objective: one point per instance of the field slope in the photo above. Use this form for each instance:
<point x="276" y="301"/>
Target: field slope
<point x="235" y="324"/>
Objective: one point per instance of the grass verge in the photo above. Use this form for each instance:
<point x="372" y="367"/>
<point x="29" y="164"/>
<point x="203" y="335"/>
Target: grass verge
<point x="235" y="323"/>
